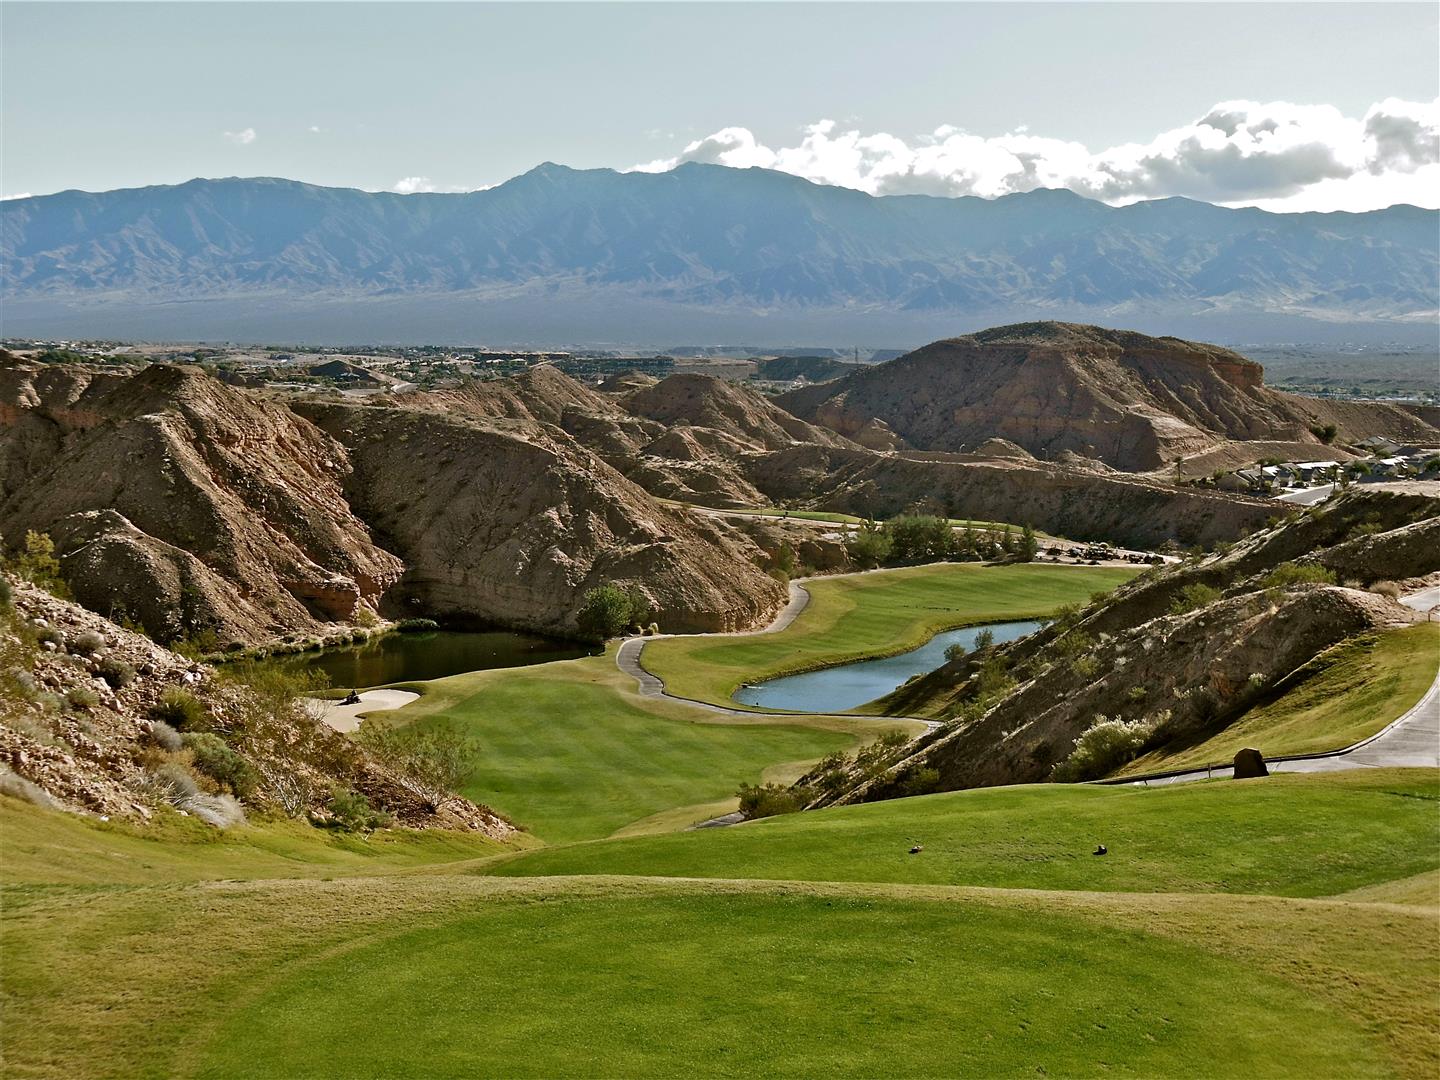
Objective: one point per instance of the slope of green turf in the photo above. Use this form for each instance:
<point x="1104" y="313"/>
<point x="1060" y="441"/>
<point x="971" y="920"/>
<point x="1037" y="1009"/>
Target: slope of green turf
<point x="1345" y="694"/>
<point x="876" y="614"/>
<point x="1286" y="835"/>
<point x="776" y="985"/>
<point x="571" y="752"/>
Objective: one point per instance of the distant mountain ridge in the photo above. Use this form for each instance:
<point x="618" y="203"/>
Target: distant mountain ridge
<point x="708" y="237"/>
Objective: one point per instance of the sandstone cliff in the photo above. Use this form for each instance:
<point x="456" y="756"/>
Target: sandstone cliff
<point x="1134" y="402"/>
<point x="184" y="504"/>
<point x="512" y="522"/>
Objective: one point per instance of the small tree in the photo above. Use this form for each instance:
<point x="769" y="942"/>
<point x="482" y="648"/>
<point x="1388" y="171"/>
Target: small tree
<point x="605" y="612"/>
<point x="869" y="547"/>
<point x="37" y="564"/>
<point x="1029" y="546"/>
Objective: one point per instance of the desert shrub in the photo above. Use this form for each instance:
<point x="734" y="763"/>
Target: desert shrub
<point x="118" y="673"/>
<point x="605" y="612"/>
<point x="1103" y="748"/>
<point x="36" y="563"/>
<point x="1135" y="694"/>
<point x="81" y="697"/>
<point x="1386" y="588"/>
<point x="87" y="643"/>
<point x="165" y="737"/>
<point x="215" y="758"/>
<point x="173" y="781"/>
<point x="1074" y="644"/>
<point x="7" y="596"/>
<point x="1085" y="666"/>
<point x="430" y="763"/>
<point x="768" y="800"/>
<point x="920" y="781"/>
<point x="366" y="618"/>
<point x="1288" y="573"/>
<point x="1193" y="596"/>
<point x="17" y="787"/>
<point x="411" y="626"/>
<point x="196" y="644"/>
<point x="1324" y="432"/>
<point x="993" y="679"/>
<point x="181" y="710"/>
<point x="52" y="634"/>
<point x="352" y="812"/>
<point x="984" y="639"/>
<point x="955" y="652"/>
<point x="222" y="811"/>
<point x="868" y="547"/>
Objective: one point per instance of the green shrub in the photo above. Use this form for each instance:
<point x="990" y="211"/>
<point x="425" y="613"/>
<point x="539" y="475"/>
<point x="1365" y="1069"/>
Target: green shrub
<point x="955" y="652"/>
<point x="1102" y="749"/>
<point x="182" y="710"/>
<point x="984" y="639"/>
<point x="1193" y="596"/>
<point x="118" y="673"/>
<point x="81" y="697"/>
<point x="352" y="812"/>
<point x="430" y="763"/>
<point x="411" y="626"/>
<point x="218" y="760"/>
<point x="36" y="563"/>
<point x="53" y="634"/>
<point x="1288" y="573"/>
<point x="868" y="547"/>
<point x="7" y="596"/>
<point x="1085" y="667"/>
<point x="918" y="537"/>
<point x="606" y="610"/>
<point x="768" y="800"/>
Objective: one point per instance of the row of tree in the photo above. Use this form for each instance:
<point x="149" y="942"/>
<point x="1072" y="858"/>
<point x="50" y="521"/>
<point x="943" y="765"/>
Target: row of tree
<point x="912" y="538"/>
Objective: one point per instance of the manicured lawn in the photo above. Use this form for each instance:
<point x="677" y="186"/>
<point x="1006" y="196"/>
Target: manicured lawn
<point x="569" y="751"/>
<point x="776" y="984"/>
<point x="1292" y="835"/>
<point x="1344" y="695"/>
<point x="876" y="614"/>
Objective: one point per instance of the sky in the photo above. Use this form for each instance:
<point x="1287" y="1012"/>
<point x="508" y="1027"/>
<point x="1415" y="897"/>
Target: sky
<point x="1288" y="106"/>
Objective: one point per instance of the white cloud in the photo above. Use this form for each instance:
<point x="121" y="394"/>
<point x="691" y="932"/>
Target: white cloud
<point x="411" y="185"/>
<point x="241" y="138"/>
<point x="314" y="129"/>
<point x="1276" y="154"/>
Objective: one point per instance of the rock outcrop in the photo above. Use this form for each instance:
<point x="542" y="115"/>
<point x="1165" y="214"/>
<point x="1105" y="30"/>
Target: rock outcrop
<point x="184" y="504"/>
<point x="512" y="523"/>
<point x="1132" y="401"/>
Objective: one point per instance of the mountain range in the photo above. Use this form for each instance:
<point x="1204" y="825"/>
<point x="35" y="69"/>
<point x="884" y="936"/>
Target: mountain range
<point x="562" y="250"/>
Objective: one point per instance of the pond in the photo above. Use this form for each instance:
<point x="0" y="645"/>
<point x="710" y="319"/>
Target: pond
<point x="431" y="654"/>
<point x="839" y="689"/>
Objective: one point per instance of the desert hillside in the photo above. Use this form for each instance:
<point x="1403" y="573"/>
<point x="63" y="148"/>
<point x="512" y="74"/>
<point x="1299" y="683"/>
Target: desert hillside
<point x="1132" y="401"/>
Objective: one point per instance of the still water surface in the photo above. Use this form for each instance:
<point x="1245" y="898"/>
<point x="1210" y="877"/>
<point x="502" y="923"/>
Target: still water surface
<point x="432" y="655"/>
<point x="838" y="689"/>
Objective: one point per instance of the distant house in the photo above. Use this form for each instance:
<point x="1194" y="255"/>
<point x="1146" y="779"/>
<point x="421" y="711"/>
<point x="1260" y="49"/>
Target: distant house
<point x="1253" y="479"/>
<point x="1378" y="444"/>
<point x="1311" y="471"/>
<point x="1391" y="466"/>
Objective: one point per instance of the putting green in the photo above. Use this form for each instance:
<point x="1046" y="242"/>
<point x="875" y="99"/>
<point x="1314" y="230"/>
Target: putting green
<point x="1286" y="835"/>
<point x="776" y="983"/>
<point x="875" y="614"/>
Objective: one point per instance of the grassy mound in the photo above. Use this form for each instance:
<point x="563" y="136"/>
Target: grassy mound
<point x="1287" y="835"/>
<point x="1345" y="694"/>
<point x="774" y="983"/>
<point x="862" y="615"/>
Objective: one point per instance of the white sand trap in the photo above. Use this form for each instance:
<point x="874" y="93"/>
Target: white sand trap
<point x="346" y="718"/>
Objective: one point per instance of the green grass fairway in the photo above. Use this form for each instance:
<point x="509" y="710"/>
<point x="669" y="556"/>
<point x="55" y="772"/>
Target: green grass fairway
<point x="1287" y="835"/>
<point x="876" y="614"/>
<point x="774" y="984"/>
<point x="569" y="751"/>
<point x="1346" y="694"/>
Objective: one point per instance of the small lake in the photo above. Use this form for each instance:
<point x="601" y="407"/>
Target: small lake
<point x="431" y="655"/>
<point x="849" y="686"/>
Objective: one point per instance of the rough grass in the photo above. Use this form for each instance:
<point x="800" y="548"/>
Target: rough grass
<point x="571" y="752"/>
<point x="1285" y="835"/>
<point x="444" y="975"/>
<point x="1346" y="694"/>
<point x="875" y="614"/>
